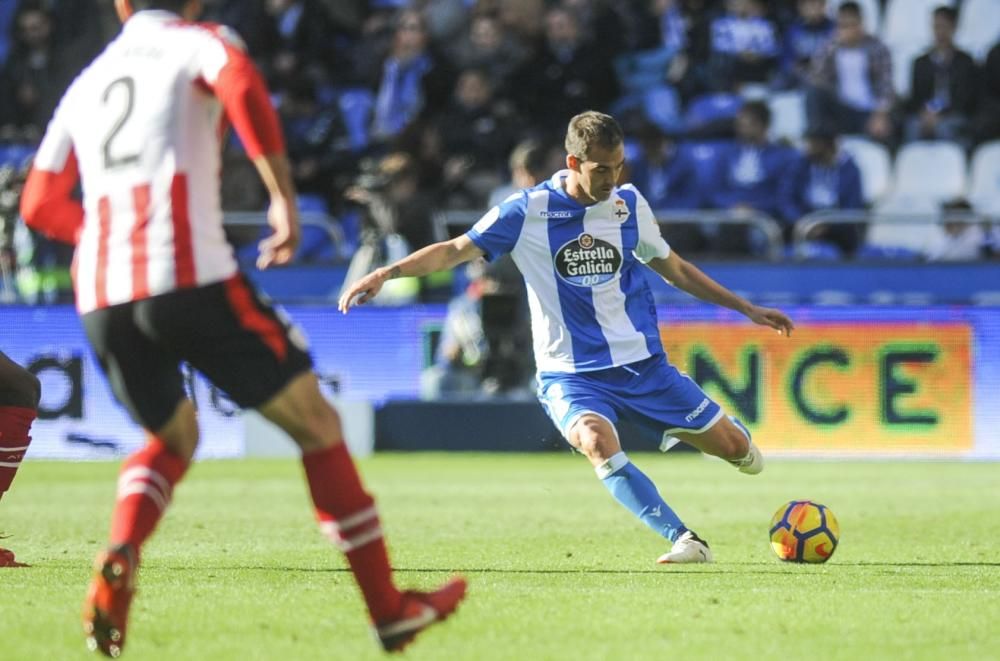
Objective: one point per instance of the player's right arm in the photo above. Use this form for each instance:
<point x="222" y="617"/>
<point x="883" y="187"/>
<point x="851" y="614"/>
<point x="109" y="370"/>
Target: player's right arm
<point x="494" y="234"/>
<point x="436" y="257"/>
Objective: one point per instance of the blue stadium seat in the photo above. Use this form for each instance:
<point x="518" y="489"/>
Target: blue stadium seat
<point x="895" y="253"/>
<point x="16" y="154"/>
<point x="709" y="109"/>
<point x="818" y="251"/>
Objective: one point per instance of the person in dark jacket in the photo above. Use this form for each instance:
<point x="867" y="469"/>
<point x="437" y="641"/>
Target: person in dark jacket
<point x="945" y="84"/>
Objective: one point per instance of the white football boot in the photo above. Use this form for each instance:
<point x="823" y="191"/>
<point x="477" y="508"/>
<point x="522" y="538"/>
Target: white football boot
<point x="688" y="548"/>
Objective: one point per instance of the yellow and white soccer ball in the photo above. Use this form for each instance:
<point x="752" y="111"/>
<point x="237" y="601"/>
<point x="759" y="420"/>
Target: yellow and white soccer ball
<point x="804" y="531"/>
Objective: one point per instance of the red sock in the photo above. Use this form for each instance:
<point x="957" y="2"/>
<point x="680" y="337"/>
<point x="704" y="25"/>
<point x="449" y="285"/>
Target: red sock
<point x="15" y="422"/>
<point x="145" y="485"/>
<point x="347" y="515"/>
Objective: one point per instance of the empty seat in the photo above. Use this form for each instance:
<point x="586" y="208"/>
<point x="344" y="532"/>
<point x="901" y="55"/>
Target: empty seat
<point x="907" y="23"/>
<point x="903" y="226"/>
<point x="871" y="13"/>
<point x="984" y="187"/>
<point x="873" y="160"/>
<point x="978" y="26"/>
<point x="788" y="115"/>
<point x="933" y="169"/>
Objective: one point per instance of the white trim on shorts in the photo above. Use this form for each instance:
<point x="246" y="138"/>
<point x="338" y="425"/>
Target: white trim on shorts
<point x="707" y="425"/>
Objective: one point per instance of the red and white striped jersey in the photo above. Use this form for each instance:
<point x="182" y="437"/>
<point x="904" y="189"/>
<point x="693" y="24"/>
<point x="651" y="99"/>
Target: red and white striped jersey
<point x="141" y="126"/>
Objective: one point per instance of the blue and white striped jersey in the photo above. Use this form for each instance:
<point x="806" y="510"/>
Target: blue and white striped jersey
<point x="591" y="307"/>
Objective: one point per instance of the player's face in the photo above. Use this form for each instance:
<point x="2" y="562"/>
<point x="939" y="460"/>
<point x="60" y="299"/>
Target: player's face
<point x="599" y="174"/>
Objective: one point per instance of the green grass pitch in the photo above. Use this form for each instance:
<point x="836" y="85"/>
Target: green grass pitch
<point x="557" y="569"/>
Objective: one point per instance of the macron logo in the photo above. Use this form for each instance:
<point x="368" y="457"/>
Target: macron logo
<point x="698" y="411"/>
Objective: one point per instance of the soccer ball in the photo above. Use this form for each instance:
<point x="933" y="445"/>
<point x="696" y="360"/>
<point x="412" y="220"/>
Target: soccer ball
<point x="804" y="531"/>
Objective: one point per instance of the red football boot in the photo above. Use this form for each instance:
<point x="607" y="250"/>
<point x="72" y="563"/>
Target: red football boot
<point x="105" y="612"/>
<point x="7" y="559"/>
<point x="419" y="611"/>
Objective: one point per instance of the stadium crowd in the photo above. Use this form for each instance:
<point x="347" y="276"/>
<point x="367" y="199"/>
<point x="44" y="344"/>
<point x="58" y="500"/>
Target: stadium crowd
<point x="395" y="109"/>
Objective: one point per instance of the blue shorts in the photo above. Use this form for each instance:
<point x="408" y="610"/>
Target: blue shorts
<point x="652" y="393"/>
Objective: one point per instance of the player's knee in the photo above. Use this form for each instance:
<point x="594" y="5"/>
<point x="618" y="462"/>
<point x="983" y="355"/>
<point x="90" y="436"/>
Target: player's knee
<point x="592" y="438"/>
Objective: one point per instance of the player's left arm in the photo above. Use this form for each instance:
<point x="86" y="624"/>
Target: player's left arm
<point x="47" y="202"/>
<point x="229" y="73"/>
<point x="687" y="277"/>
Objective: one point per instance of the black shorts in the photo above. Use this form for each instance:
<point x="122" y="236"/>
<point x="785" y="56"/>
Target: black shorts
<point x="224" y="330"/>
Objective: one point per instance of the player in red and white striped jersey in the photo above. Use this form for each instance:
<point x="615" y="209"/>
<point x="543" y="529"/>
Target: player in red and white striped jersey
<point x="156" y="284"/>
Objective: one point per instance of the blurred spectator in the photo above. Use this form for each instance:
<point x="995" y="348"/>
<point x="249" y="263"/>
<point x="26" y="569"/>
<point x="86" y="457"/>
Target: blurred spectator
<point x="393" y="202"/>
<point x="485" y="345"/>
<point x="11" y="182"/>
<point x="821" y="178"/>
<point x="529" y="166"/>
<point x="522" y="19"/>
<point x="487" y="46"/>
<point x="445" y="20"/>
<point x="567" y="76"/>
<point x="805" y="38"/>
<point x="317" y="140"/>
<point x="943" y="93"/>
<point x="744" y="46"/>
<point x="852" y="80"/>
<point x="296" y="42"/>
<point x="413" y="79"/>
<point x="750" y="169"/>
<point x="476" y="135"/>
<point x="664" y="171"/>
<point x="35" y="75"/>
<point x="959" y="239"/>
<point x="988" y="117"/>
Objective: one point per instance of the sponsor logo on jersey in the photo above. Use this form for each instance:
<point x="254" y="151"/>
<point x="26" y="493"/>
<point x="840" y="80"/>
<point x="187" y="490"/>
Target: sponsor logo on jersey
<point x="557" y="214"/>
<point x="587" y="261"/>
<point x="698" y="411"/>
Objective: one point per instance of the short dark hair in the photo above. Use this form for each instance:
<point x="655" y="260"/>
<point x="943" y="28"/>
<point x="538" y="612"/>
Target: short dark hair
<point x="947" y="12"/>
<point x="850" y="7"/>
<point x="592" y="128"/>
<point x="759" y="111"/>
<point x="169" y="5"/>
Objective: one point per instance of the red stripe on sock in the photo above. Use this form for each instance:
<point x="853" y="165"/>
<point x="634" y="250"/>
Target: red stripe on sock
<point x="184" y="265"/>
<point x="136" y="515"/>
<point x="270" y="332"/>
<point x="338" y="493"/>
<point x="15" y="423"/>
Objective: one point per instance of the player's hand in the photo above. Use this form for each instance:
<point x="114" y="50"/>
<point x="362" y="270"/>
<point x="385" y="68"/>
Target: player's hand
<point x="363" y="290"/>
<point x="776" y="319"/>
<point x="279" y="248"/>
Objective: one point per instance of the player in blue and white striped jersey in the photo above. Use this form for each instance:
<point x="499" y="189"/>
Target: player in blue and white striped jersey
<point x="580" y="241"/>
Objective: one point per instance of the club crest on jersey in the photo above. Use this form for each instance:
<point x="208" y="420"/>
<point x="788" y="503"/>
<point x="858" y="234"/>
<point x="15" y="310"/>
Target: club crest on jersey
<point x="620" y="211"/>
<point x="587" y="261"/>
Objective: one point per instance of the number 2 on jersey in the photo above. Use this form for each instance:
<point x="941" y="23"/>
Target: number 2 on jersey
<point x="112" y="162"/>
